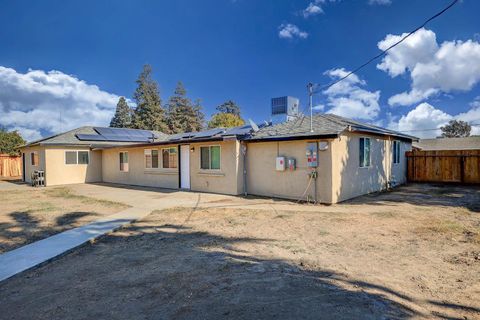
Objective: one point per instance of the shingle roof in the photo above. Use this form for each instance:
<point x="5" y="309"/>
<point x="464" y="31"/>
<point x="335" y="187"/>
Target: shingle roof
<point x="323" y="125"/>
<point x="70" y="138"/>
<point x="469" y="143"/>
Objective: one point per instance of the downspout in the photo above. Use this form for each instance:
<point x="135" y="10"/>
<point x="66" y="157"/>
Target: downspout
<point x="243" y="148"/>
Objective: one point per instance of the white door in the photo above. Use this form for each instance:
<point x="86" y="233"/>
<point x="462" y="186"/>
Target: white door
<point x="185" y="166"/>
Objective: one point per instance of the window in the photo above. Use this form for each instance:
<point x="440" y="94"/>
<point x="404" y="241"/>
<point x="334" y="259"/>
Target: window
<point x="364" y="152"/>
<point x="34" y="158"/>
<point x="396" y="151"/>
<point x="83" y="157"/>
<point x="70" y="157"/>
<point x="124" y="161"/>
<point x="169" y="158"/>
<point x="76" y="157"/>
<point x="210" y="157"/>
<point x="151" y="158"/>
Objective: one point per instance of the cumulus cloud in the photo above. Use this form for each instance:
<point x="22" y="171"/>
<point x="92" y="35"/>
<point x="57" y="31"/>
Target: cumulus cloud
<point x="448" y="67"/>
<point x="427" y="117"/>
<point x="290" y="31"/>
<point x="380" y="2"/>
<point x="39" y="103"/>
<point x="347" y="98"/>
<point x="313" y="8"/>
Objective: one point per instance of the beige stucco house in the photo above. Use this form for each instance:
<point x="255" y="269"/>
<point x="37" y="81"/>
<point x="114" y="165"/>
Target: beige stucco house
<point x="339" y="159"/>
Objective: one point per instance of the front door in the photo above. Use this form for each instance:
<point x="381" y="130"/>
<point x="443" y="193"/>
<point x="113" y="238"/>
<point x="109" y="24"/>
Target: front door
<point x="185" y="166"/>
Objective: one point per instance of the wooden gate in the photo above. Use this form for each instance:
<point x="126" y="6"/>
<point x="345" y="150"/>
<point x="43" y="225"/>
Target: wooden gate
<point x="10" y="166"/>
<point x="460" y="166"/>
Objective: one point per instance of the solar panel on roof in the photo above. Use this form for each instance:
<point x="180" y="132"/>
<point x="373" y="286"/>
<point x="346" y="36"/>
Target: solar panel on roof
<point x="207" y="133"/>
<point x="90" y="137"/>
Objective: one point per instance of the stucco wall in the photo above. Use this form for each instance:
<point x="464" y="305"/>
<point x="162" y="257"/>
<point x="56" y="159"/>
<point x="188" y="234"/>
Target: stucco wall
<point x="227" y="180"/>
<point x="350" y="180"/>
<point x="137" y="173"/>
<point x="58" y="173"/>
<point x="28" y="164"/>
<point x="264" y="180"/>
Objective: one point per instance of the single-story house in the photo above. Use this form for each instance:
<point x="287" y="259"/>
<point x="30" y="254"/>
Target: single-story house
<point x="444" y="144"/>
<point x="337" y="159"/>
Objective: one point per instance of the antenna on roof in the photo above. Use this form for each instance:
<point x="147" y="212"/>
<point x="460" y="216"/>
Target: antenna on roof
<point x="254" y="125"/>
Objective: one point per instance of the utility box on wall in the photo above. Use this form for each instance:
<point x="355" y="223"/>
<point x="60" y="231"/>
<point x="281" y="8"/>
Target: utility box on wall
<point x="312" y="154"/>
<point x="280" y="164"/>
<point x="292" y="165"/>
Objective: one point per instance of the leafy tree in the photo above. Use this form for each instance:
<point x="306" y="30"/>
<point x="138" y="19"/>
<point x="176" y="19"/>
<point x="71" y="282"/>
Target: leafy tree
<point x="182" y="115"/>
<point x="229" y="107"/>
<point x="123" y="115"/>
<point x="10" y="141"/>
<point x="149" y="113"/>
<point x="225" y="120"/>
<point x="456" y="129"/>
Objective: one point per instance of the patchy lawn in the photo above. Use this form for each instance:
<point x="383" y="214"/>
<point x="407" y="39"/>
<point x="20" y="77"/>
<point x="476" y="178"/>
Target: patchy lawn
<point x="412" y="253"/>
<point x="31" y="214"/>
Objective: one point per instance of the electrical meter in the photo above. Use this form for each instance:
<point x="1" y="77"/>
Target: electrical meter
<point x="312" y="155"/>
<point x="291" y="164"/>
<point x="280" y="164"/>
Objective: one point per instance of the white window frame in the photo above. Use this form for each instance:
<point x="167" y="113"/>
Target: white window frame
<point x="396" y="153"/>
<point x="210" y="157"/>
<point x="362" y="164"/>
<point x="76" y="157"/>
<point x="32" y="156"/>
<point x="120" y="163"/>
<point x="161" y="154"/>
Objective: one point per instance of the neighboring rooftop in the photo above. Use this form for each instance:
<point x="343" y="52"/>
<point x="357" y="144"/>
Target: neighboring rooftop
<point x="468" y="143"/>
<point x="326" y="125"/>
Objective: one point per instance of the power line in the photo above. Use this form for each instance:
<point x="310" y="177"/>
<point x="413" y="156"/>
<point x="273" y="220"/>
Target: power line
<point x="434" y="129"/>
<point x="384" y="52"/>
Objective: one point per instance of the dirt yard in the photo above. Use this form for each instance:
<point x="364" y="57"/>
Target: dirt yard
<point x="31" y="214"/>
<point x="411" y="253"/>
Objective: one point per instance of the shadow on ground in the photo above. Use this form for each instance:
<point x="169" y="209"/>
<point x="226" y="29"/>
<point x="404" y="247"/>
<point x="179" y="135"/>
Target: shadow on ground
<point x="25" y="228"/>
<point x="426" y="195"/>
<point x="156" y="271"/>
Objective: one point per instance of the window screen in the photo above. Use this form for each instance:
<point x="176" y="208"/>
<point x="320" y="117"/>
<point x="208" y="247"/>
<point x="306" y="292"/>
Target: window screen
<point x="154" y="158"/>
<point x="124" y="161"/>
<point x="70" y="157"/>
<point x="82" y="157"/>
<point x="364" y="152"/>
<point x="34" y="158"/>
<point x="169" y="158"/>
<point x="210" y="157"/>
<point x="396" y="151"/>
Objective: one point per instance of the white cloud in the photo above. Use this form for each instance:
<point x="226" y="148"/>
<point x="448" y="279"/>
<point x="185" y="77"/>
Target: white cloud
<point x="290" y="31"/>
<point x="380" y="2"/>
<point x="427" y="117"/>
<point x="348" y="99"/>
<point x="313" y="8"/>
<point x="35" y="101"/>
<point x="451" y="66"/>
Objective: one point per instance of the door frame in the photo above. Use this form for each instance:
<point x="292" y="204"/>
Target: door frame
<point x="23" y="166"/>
<point x="180" y="146"/>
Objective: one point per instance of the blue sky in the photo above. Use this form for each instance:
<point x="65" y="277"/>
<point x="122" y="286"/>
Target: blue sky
<point x="244" y="50"/>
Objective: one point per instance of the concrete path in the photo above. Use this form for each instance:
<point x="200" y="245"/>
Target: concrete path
<point x="33" y="254"/>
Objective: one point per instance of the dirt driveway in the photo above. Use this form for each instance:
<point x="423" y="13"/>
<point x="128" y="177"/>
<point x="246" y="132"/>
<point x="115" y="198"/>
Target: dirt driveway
<point x="411" y="253"/>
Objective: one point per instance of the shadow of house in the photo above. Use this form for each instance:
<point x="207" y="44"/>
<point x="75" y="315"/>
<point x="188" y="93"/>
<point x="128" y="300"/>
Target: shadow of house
<point x="155" y="271"/>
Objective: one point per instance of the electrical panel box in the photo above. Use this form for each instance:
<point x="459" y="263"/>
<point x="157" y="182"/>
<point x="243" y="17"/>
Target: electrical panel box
<point x="280" y="164"/>
<point x="312" y="154"/>
<point x="292" y="164"/>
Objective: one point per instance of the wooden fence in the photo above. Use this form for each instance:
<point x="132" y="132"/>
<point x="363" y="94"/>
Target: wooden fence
<point x="460" y="166"/>
<point x="10" y="166"/>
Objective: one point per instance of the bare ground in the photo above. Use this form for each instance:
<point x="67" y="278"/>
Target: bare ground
<point x="31" y="214"/>
<point x="411" y="253"/>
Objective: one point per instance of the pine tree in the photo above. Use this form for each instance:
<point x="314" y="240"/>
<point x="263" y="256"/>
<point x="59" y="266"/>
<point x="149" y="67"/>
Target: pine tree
<point x="123" y="115"/>
<point x="200" y="116"/>
<point x="229" y="107"/>
<point x="456" y="129"/>
<point x="149" y="113"/>
<point x="182" y="116"/>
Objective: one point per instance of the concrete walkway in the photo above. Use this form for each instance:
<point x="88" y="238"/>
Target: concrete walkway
<point x="33" y="254"/>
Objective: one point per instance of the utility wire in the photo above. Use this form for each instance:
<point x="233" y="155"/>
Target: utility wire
<point x="434" y="129"/>
<point x="384" y="52"/>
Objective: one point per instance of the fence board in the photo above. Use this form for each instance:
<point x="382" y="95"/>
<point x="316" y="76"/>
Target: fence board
<point x="10" y="166"/>
<point x="460" y="166"/>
